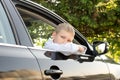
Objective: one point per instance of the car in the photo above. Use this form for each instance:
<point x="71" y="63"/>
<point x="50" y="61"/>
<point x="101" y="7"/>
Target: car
<point x="23" y="26"/>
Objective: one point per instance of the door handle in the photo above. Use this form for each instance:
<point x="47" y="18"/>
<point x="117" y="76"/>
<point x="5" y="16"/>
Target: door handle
<point x="52" y="72"/>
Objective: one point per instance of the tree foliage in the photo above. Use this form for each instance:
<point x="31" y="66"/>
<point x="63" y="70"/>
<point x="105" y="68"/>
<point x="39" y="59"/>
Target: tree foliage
<point x="95" y="19"/>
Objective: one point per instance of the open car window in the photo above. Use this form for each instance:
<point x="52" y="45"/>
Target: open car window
<point x="40" y="29"/>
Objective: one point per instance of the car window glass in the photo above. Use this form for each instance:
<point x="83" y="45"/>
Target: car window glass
<point x="6" y="35"/>
<point x="40" y="29"/>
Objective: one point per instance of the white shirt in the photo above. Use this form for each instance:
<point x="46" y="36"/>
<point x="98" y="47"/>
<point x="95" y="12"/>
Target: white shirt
<point x="66" y="49"/>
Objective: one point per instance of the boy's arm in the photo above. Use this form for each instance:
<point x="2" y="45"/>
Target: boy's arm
<point x="67" y="49"/>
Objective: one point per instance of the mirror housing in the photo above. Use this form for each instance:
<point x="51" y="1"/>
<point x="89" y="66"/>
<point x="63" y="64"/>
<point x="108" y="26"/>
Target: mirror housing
<point x="100" y="47"/>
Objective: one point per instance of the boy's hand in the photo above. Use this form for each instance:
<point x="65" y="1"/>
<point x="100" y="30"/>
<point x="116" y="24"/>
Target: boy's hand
<point x="82" y="49"/>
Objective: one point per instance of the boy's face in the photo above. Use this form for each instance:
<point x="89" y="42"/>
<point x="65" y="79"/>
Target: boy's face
<point x="62" y="37"/>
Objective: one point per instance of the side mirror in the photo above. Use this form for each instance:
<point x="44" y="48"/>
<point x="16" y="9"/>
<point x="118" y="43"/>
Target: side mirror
<point x="100" y="47"/>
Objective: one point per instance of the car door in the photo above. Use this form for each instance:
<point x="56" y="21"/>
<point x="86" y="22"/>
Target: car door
<point x="16" y="61"/>
<point x="40" y="23"/>
<point x="71" y="69"/>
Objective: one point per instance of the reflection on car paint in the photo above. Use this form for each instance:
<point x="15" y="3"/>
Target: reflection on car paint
<point x="20" y="75"/>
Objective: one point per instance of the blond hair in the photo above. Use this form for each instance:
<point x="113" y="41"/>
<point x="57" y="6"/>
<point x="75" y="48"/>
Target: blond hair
<point x="66" y="27"/>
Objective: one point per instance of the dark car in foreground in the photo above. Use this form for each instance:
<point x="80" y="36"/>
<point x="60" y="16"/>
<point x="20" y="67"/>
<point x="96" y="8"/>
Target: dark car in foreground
<point x="21" y="22"/>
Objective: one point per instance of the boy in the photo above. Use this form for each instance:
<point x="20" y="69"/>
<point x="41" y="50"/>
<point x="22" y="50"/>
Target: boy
<point x="62" y="39"/>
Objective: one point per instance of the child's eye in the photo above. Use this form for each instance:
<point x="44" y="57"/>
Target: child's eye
<point x="63" y="37"/>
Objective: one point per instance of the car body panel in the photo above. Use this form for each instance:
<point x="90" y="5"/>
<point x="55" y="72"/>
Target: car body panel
<point x="25" y="62"/>
<point x="72" y="69"/>
<point x="17" y="61"/>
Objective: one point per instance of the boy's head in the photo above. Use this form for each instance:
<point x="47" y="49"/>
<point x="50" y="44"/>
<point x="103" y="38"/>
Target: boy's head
<point x="64" y="33"/>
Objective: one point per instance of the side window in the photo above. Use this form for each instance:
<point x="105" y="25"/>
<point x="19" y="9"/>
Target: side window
<point x="6" y="35"/>
<point x="40" y="29"/>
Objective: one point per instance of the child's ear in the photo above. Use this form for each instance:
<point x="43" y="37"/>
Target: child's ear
<point x="53" y="34"/>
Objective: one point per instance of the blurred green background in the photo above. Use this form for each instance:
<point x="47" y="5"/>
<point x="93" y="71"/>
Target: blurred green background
<point x="95" y="19"/>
